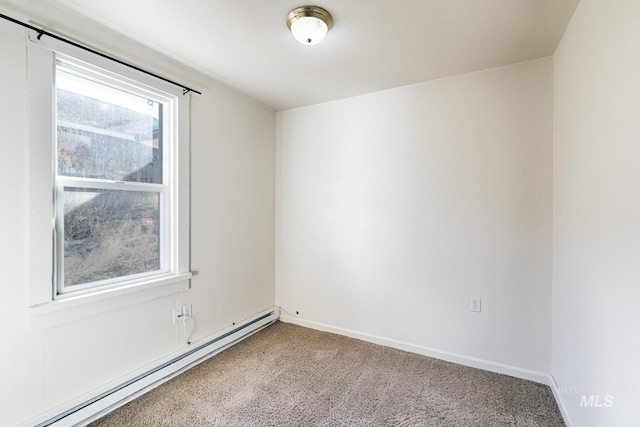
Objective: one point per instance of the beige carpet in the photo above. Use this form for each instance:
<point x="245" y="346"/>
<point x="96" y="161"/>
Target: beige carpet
<point x="287" y="375"/>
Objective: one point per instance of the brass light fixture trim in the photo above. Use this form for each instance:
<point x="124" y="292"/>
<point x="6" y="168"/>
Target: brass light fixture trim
<point x="306" y="18"/>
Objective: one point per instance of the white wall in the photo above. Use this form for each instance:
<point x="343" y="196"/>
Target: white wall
<point x="233" y="193"/>
<point x="596" y="289"/>
<point x="394" y="208"/>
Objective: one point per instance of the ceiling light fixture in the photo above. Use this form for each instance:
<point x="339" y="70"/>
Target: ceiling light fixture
<point x="309" y="24"/>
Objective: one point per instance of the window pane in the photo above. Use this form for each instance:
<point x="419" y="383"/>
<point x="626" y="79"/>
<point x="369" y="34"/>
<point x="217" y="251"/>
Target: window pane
<point x="106" y="133"/>
<point x="109" y="234"/>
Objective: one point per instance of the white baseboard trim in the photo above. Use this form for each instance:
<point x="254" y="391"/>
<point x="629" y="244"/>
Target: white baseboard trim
<point x="92" y="407"/>
<point x="473" y="362"/>
<point x="563" y="409"/>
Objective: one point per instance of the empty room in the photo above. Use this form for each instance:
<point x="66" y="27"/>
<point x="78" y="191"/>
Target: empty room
<point x="350" y="213"/>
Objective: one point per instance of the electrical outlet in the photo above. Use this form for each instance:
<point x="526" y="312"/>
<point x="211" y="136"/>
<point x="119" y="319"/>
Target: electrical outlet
<point x="177" y="315"/>
<point x="476" y="305"/>
<point x="186" y="312"/>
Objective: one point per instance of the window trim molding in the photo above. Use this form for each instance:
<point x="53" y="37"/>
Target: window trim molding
<point x="41" y="297"/>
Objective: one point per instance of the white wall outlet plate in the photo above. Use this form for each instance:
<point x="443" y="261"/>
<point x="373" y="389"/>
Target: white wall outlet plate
<point x="476" y="305"/>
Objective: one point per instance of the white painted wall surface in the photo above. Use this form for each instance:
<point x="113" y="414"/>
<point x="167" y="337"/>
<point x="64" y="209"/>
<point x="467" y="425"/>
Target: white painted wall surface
<point x="596" y="288"/>
<point x="232" y="245"/>
<point x="394" y="208"/>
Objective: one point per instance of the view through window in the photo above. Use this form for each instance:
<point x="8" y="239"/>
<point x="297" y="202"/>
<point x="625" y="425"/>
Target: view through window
<point x="111" y="193"/>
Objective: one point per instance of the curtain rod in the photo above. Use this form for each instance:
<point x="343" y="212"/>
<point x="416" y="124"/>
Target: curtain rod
<point x="41" y="32"/>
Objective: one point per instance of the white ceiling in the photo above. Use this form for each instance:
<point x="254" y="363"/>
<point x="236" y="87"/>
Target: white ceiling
<point x="373" y="45"/>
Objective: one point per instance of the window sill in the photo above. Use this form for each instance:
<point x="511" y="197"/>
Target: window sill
<point x="71" y="308"/>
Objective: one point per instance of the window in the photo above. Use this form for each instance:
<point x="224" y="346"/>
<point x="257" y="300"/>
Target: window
<point x="112" y="195"/>
<point x="109" y="180"/>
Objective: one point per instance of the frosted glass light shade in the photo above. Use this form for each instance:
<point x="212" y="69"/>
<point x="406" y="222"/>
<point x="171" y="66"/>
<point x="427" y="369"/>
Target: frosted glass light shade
<point x="309" y="30"/>
<point x="309" y="24"/>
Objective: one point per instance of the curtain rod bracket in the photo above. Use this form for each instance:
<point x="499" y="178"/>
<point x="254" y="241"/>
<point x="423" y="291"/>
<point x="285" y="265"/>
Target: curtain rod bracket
<point x="40" y="34"/>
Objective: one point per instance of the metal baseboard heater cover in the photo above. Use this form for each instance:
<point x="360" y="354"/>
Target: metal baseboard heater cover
<point x="118" y="396"/>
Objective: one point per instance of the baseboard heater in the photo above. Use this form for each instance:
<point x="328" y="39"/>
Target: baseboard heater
<point x="93" y="408"/>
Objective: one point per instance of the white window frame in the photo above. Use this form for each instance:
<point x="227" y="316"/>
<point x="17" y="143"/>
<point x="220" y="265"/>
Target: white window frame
<point x="48" y="302"/>
<point x="165" y="190"/>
